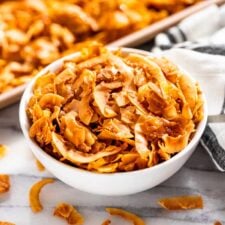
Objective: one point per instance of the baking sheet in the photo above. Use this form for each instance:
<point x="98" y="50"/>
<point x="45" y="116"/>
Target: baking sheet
<point x="131" y="40"/>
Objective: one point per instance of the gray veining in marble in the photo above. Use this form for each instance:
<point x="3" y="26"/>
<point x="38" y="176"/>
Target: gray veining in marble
<point x="198" y="176"/>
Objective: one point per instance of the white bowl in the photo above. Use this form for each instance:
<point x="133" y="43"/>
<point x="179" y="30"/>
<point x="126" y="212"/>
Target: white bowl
<point x="122" y="183"/>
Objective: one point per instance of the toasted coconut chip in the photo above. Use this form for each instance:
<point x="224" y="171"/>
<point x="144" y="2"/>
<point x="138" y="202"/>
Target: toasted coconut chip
<point x="128" y="115"/>
<point x="4" y="183"/>
<point x="106" y="222"/>
<point x="153" y="158"/>
<point x="50" y="100"/>
<point x="151" y="94"/>
<point x="155" y="127"/>
<point x="125" y="70"/>
<point x="75" y="218"/>
<point x="182" y="202"/>
<point x="120" y="98"/>
<point x="153" y="70"/>
<point x="62" y="33"/>
<point x="175" y="144"/>
<point x="126" y="215"/>
<point x="56" y="113"/>
<point x="69" y="213"/>
<point x="170" y="112"/>
<point x="170" y="70"/>
<point x="76" y="156"/>
<point x="3" y="150"/>
<point x="163" y="155"/>
<point x="129" y="158"/>
<point x="75" y="132"/>
<point x="35" y="190"/>
<point x="40" y="166"/>
<point x="37" y="5"/>
<point x="116" y="126"/>
<point x="147" y="90"/>
<point x="189" y="90"/>
<point x="85" y="112"/>
<point x="106" y="134"/>
<point x="139" y="77"/>
<point x="36" y="112"/>
<point x="88" y="64"/>
<point x="141" y="163"/>
<point x="36" y="29"/>
<point x="101" y="96"/>
<point x="127" y="167"/>
<point x="6" y="223"/>
<point x="177" y="104"/>
<point x="72" y="106"/>
<point x="133" y="99"/>
<point x="112" y="85"/>
<point x="141" y="142"/>
<point x="111" y="168"/>
<point x="86" y="81"/>
<point x="41" y="130"/>
<point x="63" y="210"/>
<point x="74" y="14"/>
<point x="44" y="84"/>
<point x="66" y="75"/>
<point x="96" y="164"/>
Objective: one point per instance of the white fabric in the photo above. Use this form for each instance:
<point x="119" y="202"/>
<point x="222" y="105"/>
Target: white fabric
<point x="222" y="15"/>
<point x="199" y="25"/>
<point x="206" y="27"/>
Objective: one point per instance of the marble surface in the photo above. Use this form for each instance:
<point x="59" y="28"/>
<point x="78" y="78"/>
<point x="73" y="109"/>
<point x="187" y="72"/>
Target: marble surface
<point x="198" y="176"/>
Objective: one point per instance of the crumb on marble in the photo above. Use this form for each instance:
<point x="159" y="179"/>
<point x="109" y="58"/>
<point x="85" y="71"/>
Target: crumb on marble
<point x="4" y="183"/>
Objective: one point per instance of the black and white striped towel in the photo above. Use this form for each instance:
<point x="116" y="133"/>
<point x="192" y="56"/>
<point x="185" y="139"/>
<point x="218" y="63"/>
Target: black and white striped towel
<point x="203" y="28"/>
<point x="198" y="45"/>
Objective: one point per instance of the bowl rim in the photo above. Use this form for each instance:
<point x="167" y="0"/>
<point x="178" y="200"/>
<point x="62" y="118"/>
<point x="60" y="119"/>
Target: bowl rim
<point x="54" y="66"/>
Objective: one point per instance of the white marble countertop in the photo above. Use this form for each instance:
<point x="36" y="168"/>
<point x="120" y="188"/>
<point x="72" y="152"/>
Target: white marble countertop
<point x="198" y="176"/>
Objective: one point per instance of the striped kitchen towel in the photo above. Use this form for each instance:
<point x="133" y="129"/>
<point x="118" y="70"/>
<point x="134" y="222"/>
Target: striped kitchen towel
<point x="203" y="28"/>
<point x="198" y="44"/>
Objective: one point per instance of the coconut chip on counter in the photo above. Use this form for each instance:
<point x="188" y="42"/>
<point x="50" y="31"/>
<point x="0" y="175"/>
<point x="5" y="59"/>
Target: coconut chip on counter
<point x="136" y="220"/>
<point x="69" y="213"/>
<point x="6" y="223"/>
<point x="39" y="165"/>
<point x="34" y="193"/>
<point x="182" y="202"/>
<point x="4" y="183"/>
